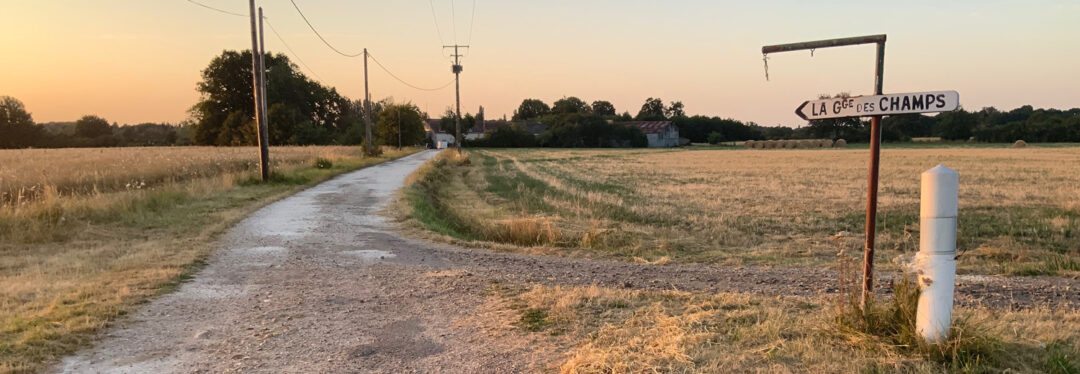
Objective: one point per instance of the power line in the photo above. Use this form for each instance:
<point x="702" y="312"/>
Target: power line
<point x="436" y="18"/>
<point x="403" y="81"/>
<point x="320" y="35"/>
<point x="472" y="21"/>
<point x="272" y="29"/>
<point x="296" y="56"/>
<point x="312" y="71"/>
<point x="453" y="19"/>
<point x="217" y="10"/>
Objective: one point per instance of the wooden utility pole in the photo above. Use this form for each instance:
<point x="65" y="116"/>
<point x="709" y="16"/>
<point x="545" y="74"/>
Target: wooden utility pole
<point x="257" y="90"/>
<point x="264" y="125"/>
<point x="875" y="144"/>
<point x="399" y="127"/>
<point x="456" y="68"/>
<point x="367" y="105"/>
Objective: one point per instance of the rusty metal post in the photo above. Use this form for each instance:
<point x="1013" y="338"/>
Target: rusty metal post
<point x="872" y="186"/>
<point x="875" y="144"/>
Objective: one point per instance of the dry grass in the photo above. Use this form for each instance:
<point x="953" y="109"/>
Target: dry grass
<point x="31" y="174"/>
<point x="72" y="262"/>
<point x="1020" y="211"/>
<point x="608" y="330"/>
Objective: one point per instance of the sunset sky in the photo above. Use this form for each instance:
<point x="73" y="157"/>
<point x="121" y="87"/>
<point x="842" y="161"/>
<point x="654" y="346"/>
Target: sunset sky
<point x="134" y="61"/>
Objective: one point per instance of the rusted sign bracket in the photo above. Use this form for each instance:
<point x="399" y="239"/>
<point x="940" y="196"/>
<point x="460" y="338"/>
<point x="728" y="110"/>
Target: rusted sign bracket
<point x="875" y="143"/>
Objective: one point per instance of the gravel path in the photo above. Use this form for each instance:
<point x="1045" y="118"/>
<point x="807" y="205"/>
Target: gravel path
<point x="319" y="282"/>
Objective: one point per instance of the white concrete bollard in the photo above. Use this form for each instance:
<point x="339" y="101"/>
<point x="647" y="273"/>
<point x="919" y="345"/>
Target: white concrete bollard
<point x="936" y="261"/>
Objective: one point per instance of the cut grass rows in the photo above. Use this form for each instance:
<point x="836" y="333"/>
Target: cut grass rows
<point x="770" y="208"/>
<point x="529" y="198"/>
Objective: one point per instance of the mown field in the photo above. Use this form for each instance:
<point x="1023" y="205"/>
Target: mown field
<point x="1019" y="216"/>
<point x="1019" y="208"/>
<point x="618" y="330"/>
<point x="87" y="234"/>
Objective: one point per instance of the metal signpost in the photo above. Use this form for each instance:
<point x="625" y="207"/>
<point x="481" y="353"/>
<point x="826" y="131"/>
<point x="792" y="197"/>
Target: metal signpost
<point x="874" y="106"/>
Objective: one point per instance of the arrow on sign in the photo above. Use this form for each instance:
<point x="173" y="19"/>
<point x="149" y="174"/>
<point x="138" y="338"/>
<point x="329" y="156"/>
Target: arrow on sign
<point x="879" y="105"/>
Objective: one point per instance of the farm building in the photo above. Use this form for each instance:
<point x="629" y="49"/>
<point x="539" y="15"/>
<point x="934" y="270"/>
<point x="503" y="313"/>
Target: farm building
<point x="439" y="138"/>
<point x="660" y="133"/>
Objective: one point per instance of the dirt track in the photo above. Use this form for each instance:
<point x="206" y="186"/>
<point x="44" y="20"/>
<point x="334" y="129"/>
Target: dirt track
<point x="319" y="282"/>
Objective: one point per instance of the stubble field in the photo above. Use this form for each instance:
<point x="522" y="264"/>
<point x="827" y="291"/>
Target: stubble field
<point x="1019" y="215"/>
<point x="1019" y="208"/>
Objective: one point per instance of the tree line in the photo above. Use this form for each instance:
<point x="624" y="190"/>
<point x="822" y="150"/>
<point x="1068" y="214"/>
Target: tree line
<point x="18" y="130"/>
<point x="986" y="125"/>
<point x="300" y="112"/>
<point x="572" y="122"/>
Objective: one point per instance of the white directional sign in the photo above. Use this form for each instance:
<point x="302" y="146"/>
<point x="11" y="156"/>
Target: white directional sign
<point x="879" y="105"/>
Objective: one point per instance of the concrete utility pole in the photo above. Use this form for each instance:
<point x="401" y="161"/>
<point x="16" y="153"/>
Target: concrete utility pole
<point x="367" y="104"/>
<point x="257" y="90"/>
<point x="875" y="143"/>
<point x="456" y="68"/>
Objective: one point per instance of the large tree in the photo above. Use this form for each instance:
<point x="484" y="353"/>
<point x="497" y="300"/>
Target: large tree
<point x="530" y="109"/>
<point x="447" y="125"/>
<point x="226" y="92"/>
<point x="675" y="110"/>
<point x="956" y="125"/>
<point x="92" y="127"/>
<point x="652" y="110"/>
<point x="570" y="105"/>
<point x="603" y="108"/>
<point x="406" y="117"/>
<point x="17" y="128"/>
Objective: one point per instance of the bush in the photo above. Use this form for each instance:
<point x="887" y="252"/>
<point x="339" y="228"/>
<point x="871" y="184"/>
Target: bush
<point x="372" y="151"/>
<point x="322" y="163"/>
<point x="715" y="137"/>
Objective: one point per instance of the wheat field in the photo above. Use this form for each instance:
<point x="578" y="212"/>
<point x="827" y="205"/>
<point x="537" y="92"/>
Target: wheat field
<point x="87" y="234"/>
<point x="1020" y="208"/>
<point x="30" y="174"/>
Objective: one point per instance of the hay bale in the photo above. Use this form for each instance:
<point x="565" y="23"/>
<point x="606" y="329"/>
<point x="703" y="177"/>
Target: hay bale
<point x="758" y="144"/>
<point x="748" y="144"/>
<point x="771" y="144"/>
<point x="840" y="143"/>
<point x="826" y="143"/>
<point x="1019" y="144"/>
